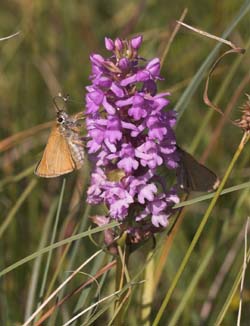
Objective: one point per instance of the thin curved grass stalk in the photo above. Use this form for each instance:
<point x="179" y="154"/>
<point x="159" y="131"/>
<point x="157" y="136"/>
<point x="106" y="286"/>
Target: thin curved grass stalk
<point x="121" y="307"/>
<point x="105" y="308"/>
<point x="14" y="155"/>
<point x="58" y="269"/>
<point x="133" y="282"/>
<point x="17" y="205"/>
<point x="26" y="323"/>
<point x="70" y="265"/>
<point x="58" y="304"/>
<point x="167" y="244"/>
<point x="166" y="247"/>
<point x="197" y="235"/>
<point x="172" y="36"/>
<point x="189" y="91"/>
<point x="53" y="236"/>
<point x="57" y="273"/>
<point x="50" y="287"/>
<point x="86" y="295"/>
<point x="231" y="294"/>
<point x="118" y="293"/>
<point x="111" y="225"/>
<point x="230" y="74"/>
<point x="220" y="276"/>
<point x="98" y="292"/>
<point x="216" y="63"/>
<point x="191" y="287"/>
<point x="122" y="279"/>
<point x="11" y="48"/>
<point x="18" y="177"/>
<point x="244" y="267"/>
<point x="57" y="245"/>
<point x="82" y="227"/>
<point x="37" y="264"/>
<point x="91" y="307"/>
<point x="224" y="118"/>
<point x="98" y="314"/>
<point x="228" y="190"/>
<point x="75" y="246"/>
<point x="9" y="36"/>
<point x="13" y="140"/>
<point x="212" y="36"/>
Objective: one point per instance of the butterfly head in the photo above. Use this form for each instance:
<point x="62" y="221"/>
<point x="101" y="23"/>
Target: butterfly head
<point x="62" y="117"/>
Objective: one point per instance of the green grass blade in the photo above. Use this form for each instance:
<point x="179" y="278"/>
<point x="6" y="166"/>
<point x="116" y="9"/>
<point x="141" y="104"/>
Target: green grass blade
<point x="45" y="275"/>
<point x="231" y="294"/>
<point x="18" y="204"/>
<point x="191" y="287"/>
<point x="37" y="264"/>
<point x="189" y="91"/>
<point x="209" y="196"/>
<point x="57" y="245"/>
<point x="219" y="96"/>
<point x="16" y="178"/>
<point x="199" y="231"/>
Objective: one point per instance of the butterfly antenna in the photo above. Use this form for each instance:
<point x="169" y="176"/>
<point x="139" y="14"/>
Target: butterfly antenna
<point x="60" y="98"/>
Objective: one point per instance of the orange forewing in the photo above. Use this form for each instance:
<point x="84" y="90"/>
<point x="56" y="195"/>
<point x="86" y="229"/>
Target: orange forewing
<point x="57" y="158"/>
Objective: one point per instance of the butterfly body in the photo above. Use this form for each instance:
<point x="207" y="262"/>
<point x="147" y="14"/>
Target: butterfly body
<point x="70" y="130"/>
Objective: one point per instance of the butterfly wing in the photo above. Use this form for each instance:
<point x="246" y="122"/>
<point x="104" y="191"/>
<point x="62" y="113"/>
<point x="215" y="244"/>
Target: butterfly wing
<point x="57" y="159"/>
<point x="193" y="176"/>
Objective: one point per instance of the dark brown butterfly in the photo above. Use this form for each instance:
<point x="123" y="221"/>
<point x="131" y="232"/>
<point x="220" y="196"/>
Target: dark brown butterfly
<point x="194" y="176"/>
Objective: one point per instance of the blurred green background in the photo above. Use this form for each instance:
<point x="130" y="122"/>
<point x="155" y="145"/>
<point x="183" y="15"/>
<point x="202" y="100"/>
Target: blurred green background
<point x="51" y="55"/>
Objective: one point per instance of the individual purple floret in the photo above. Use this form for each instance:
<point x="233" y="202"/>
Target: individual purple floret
<point x="130" y="136"/>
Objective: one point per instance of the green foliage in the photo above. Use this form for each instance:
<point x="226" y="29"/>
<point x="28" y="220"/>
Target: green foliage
<point x="51" y="55"/>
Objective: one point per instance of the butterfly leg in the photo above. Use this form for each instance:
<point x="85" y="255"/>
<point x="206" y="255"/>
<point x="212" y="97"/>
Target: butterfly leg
<point x="80" y="116"/>
<point x="78" y="142"/>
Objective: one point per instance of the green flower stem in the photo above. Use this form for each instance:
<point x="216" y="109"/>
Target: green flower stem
<point x="148" y="289"/>
<point x="121" y="279"/>
<point x="197" y="235"/>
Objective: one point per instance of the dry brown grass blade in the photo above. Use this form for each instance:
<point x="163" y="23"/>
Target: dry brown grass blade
<point x="20" y="136"/>
<point x="220" y="277"/>
<point x="212" y="36"/>
<point x="167" y="245"/>
<point x="216" y="133"/>
<point x="11" y="141"/>
<point x="234" y="49"/>
<point x="172" y="36"/>
<point x="205" y="93"/>
<point x="61" y="286"/>
<point x="78" y="289"/>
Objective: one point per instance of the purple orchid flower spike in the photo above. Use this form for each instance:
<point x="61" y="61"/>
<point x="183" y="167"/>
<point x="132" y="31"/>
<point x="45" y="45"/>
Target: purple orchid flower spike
<point x="130" y="130"/>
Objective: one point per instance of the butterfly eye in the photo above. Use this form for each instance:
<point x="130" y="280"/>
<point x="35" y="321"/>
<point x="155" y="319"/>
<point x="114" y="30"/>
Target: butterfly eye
<point x="60" y="119"/>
